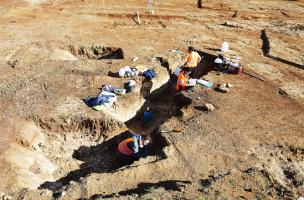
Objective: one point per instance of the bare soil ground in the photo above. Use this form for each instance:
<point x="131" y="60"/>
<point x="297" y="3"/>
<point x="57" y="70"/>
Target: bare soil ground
<point x="55" y="147"/>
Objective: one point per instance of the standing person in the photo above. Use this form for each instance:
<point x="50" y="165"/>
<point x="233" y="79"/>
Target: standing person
<point x="132" y="149"/>
<point x="147" y="115"/>
<point x="192" y="60"/>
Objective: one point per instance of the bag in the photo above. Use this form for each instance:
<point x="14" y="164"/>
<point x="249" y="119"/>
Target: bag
<point x="204" y="83"/>
<point x="128" y="72"/>
<point x="149" y="74"/>
<point x="129" y="86"/>
<point x="192" y="82"/>
<point x="225" y="47"/>
<point x="122" y="72"/>
<point x="108" y="88"/>
<point x="120" y="91"/>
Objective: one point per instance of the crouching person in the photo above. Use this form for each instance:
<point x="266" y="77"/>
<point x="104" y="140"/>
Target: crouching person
<point x="132" y="149"/>
<point x="182" y="80"/>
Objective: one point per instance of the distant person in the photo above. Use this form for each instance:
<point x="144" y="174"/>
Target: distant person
<point x="132" y="149"/>
<point x="192" y="60"/>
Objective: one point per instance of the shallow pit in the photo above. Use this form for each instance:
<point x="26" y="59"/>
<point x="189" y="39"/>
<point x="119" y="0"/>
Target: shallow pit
<point x="96" y="52"/>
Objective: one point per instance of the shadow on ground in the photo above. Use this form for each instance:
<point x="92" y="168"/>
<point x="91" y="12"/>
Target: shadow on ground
<point x="102" y="159"/>
<point x="144" y="188"/>
<point x="165" y="103"/>
<point x="266" y="51"/>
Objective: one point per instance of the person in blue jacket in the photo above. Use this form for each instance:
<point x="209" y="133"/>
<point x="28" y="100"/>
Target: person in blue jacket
<point x="147" y="115"/>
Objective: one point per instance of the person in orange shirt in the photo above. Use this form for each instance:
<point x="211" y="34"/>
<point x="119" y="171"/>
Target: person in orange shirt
<point x="182" y="80"/>
<point x="192" y="60"/>
<point x="132" y="149"/>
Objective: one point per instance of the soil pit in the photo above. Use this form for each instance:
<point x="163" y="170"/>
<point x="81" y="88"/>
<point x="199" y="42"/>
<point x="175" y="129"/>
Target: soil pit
<point x="97" y="52"/>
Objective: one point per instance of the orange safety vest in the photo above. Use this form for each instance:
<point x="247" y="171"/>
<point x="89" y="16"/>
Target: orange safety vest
<point x="192" y="59"/>
<point x="123" y="147"/>
<point x="182" y="81"/>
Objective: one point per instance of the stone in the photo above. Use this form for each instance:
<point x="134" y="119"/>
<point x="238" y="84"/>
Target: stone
<point x="223" y="89"/>
<point x="229" y="85"/>
<point x="247" y="188"/>
<point x="61" y="54"/>
<point x="74" y="50"/>
<point x="209" y="107"/>
<point x="2" y="194"/>
<point x="89" y="54"/>
<point x="230" y="24"/>
<point x="223" y="85"/>
<point x="6" y="197"/>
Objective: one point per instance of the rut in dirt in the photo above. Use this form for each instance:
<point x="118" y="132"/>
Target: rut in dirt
<point x="164" y="102"/>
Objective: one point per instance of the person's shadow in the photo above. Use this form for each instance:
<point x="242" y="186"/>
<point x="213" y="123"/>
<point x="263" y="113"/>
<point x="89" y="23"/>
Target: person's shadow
<point x="104" y="163"/>
<point x="93" y="163"/>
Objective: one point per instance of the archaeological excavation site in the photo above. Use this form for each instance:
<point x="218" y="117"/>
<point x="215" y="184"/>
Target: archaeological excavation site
<point x="152" y="100"/>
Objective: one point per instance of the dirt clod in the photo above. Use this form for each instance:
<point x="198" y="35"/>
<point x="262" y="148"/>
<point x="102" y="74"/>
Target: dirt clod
<point x="209" y="107"/>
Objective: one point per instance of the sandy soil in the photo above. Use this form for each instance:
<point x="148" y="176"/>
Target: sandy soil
<point x="55" y="147"/>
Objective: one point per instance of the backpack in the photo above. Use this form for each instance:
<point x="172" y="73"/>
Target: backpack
<point x="129" y="86"/>
<point x="149" y="74"/>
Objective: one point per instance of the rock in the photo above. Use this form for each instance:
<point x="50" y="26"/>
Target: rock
<point x="229" y="85"/>
<point x="45" y="192"/>
<point x="135" y="59"/>
<point x="230" y="24"/>
<point x="89" y="54"/>
<point x="6" y="197"/>
<point x="2" y="194"/>
<point x="223" y="85"/>
<point x="247" y="188"/>
<point x="74" y="50"/>
<point x="60" y="54"/>
<point x="209" y="107"/>
<point x="223" y="89"/>
<point x="250" y="170"/>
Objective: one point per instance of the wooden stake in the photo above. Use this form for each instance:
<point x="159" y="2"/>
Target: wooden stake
<point x="138" y="19"/>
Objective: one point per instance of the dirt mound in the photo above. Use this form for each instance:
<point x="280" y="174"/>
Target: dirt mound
<point x="293" y="89"/>
<point x="60" y="54"/>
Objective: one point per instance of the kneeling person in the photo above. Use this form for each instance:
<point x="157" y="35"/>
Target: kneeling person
<point x="132" y="149"/>
<point x="182" y="80"/>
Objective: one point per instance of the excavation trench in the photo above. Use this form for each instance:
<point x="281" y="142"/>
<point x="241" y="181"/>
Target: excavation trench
<point x="164" y="102"/>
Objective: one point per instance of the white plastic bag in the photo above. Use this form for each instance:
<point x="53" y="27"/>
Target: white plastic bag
<point x="218" y="61"/>
<point x="192" y="82"/>
<point x="225" y="47"/>
<point x="132" y="83"/>
<point x="122" y="72"/>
